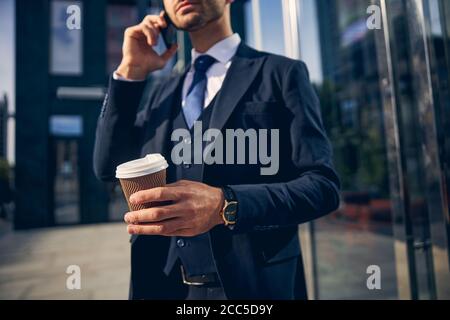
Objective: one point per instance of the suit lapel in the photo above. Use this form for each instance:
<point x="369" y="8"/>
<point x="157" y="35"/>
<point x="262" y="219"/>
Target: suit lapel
<point x="240" y="76"/>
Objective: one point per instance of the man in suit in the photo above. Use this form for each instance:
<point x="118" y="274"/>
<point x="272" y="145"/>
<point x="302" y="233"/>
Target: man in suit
<point x="216" y="231"/>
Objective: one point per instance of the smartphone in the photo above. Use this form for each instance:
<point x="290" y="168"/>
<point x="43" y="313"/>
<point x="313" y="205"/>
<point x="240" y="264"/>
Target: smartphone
<point x="169" y="34"/>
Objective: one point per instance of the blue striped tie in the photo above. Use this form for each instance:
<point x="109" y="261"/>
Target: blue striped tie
<point x="196" y="95"/>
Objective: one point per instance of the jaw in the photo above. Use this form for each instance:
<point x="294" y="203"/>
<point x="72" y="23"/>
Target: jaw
<point x="190" y="22"/>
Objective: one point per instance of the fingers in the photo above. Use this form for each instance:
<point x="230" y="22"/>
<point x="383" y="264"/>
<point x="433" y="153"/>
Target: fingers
<point x="165" y="228"/>
<point x="154" y="195"/>
<point x="157" y="21"/>
<point x="149" y="28"/>
<point x="162" y="20"/>
<point x="152" y="215"/>
<point x="142" y="31"/>
<point x="152" y="26"/>
<point x="151" y="32"/>
<point x="134" y="32"/>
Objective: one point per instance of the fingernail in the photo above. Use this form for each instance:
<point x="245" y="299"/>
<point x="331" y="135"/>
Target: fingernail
<point x="133" y="200"/>
<point x="127" y="218"/>
<point x="130" y="230"/>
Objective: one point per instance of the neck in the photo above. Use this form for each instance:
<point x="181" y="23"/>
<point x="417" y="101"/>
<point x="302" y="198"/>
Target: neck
<point x="215" y="31"/>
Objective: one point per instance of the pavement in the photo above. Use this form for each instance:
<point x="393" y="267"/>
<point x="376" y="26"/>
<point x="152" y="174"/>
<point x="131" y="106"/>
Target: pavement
<point x="33" y="263"/>
<point x="344" y="251"/>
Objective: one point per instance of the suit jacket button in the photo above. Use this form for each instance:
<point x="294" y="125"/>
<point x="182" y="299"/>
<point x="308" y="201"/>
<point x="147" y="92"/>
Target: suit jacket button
<point x="187" y="165"/>
<point x="181" y="243"/>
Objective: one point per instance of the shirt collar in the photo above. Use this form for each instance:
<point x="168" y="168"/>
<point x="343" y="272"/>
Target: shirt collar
<point x="223" y="50"/>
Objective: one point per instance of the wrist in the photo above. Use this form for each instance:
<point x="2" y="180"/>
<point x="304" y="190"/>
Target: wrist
<point x="130" y="72"/>
<point x="219" y="212"/>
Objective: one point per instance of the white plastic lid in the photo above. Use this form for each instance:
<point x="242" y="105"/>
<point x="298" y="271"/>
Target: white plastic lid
<point x="151" y="163"/>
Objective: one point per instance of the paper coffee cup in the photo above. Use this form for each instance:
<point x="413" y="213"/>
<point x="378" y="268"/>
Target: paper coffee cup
<point x="142" y="174"/>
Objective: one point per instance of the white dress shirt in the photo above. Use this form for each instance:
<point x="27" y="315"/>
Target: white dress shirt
<point x="223" y="51"/>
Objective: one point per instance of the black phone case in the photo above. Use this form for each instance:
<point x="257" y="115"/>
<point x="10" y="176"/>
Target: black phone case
<point x="169" y="34"/>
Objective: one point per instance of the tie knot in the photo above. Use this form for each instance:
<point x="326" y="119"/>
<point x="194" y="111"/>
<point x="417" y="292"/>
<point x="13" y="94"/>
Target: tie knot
<point x="203" y="63"/>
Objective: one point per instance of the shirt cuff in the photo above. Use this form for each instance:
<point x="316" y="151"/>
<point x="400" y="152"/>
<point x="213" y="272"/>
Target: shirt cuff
<point x="116" y="76"/>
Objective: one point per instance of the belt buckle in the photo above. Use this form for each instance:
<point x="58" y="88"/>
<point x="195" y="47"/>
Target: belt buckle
<point x="190" y="283"/>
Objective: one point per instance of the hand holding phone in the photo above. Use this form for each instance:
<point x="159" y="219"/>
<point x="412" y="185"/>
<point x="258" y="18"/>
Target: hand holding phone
<point x="139" y="57"/>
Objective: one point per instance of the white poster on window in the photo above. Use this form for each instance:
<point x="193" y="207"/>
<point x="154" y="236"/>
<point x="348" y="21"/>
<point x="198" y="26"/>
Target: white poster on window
<point x="66" y="47"/>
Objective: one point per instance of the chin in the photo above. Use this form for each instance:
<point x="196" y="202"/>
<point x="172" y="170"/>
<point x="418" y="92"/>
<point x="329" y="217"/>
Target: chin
<point x="190" y="21"/>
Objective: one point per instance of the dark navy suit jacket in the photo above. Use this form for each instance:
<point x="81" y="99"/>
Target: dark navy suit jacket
<point x="261" y="257"/>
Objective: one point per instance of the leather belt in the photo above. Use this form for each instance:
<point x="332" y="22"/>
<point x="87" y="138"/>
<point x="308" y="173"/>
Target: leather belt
<point x="210" y="279"/>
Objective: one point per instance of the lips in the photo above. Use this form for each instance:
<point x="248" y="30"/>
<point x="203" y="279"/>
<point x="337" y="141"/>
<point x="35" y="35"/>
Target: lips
<point x="183" y="4"/>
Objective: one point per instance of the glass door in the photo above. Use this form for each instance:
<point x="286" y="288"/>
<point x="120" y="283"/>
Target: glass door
<point x="439" y="12"/>
<point x="358" y="238"/>
<point x="412" y="100"/>
<point x="342" y="249"/>
<point x="385" y="102"/>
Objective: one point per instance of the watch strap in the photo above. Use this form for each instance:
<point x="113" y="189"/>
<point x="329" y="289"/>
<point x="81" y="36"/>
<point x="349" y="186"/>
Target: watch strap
<point x="228" y="194"/>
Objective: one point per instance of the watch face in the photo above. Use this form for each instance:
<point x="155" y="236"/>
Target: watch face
<point x="230" y="212"/>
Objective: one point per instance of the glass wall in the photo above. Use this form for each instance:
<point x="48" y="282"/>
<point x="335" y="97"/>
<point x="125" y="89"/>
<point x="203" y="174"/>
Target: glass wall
<point x="383" y="95"/>
<point x="416" y="45"/>
<point x="360" y="233"/>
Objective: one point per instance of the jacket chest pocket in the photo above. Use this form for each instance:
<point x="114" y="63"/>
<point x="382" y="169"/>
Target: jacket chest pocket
<point x="260" y="107"/>
<point x="260" y="114"/>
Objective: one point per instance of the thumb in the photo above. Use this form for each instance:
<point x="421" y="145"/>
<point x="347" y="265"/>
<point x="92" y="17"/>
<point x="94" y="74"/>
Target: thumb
<point x="166" y="56"/>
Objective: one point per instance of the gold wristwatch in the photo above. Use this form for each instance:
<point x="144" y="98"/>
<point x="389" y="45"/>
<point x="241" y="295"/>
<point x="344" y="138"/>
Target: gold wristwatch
<point x="229" y="211"/>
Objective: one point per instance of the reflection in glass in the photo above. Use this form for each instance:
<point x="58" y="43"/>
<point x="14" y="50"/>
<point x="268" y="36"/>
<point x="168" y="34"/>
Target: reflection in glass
<point x="440" y="62"/>
<point x="249" y="24"/>
<point x="272" y="33"/>
<point x="360" y="233"/>
<point x="421" y="85"/>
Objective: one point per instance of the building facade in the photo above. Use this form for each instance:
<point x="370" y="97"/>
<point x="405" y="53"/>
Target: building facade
<point x="60" y="89"/>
